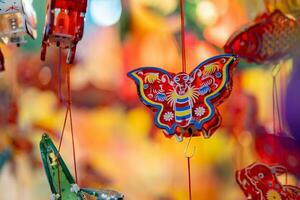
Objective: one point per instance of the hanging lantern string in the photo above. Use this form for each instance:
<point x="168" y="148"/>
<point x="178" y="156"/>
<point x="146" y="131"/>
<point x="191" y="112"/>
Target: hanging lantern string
<point x="275" y="100"/>
<point x="59" y="92"/>
<point x="68" y="104"/>
<point x="71" y="122"/>
<point x="183" y="53"/>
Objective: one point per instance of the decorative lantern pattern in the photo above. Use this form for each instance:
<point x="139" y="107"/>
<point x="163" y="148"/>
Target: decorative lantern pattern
<point x="269" y="38"/>
<point x="259" y="181"/>
<point x="185" y="104"/>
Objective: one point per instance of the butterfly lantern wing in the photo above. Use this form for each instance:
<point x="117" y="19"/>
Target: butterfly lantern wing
<point x="184" y="104"/>
<point x="155" y="87"/>
<point x="212" y="84"/>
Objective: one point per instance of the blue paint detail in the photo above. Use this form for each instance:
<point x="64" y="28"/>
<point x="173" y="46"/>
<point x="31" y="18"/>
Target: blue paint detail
<point x="169" y="130"/>
<point x="183" y="117"/>
<point x="160" y="97"/>
<point x="218" y="74"/>
<point x="204" y="89"/>
<point x="146" y="86"/>
<point x="183" y="108"/>
<point x="183" y="100"/>
<point x="199" y="124"/>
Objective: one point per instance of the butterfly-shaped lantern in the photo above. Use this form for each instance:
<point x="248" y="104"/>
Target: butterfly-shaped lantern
<point x="260" y="181"/>
<point x="268" y="39"/>
<point x="64" y="25"/>
<point x="17" y="18"/>
<point x="65" y="187"/>
<point x="186" y="104"/>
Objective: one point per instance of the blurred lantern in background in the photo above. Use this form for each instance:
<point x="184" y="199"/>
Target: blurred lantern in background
<point x="278" y="148"/>
<point x="270" y="38"/>
<point x="105" y="12"/>
<point x="260" y="181"/>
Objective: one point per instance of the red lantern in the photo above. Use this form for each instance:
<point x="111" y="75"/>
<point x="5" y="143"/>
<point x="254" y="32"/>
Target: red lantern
<point x="278" y="148"/>
<point x="271" y="37"/>
<point x="259" y="181"/>
<point x="185" y="104"/>
<point x="64" y="25"/>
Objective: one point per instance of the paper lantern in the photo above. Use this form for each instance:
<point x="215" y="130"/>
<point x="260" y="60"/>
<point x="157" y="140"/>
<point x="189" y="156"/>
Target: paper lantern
<point x="269" y="38"/>
<point x="185" y="104"/>
<point x="259" y="181"/>
<point x="64" y="26"/>
<point x="65" y="187"/>
<point x="17" y="18"/>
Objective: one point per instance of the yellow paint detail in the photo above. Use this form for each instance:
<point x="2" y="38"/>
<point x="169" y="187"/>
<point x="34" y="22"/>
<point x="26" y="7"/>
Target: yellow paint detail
<point x="183" y="113"/>
<point x="220" y="87"/>
<point x="273" y="195"/>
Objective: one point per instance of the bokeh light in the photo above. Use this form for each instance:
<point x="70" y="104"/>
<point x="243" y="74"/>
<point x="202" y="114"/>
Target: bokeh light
<point x="206" y="13"/>
<point x="106" y="12"/>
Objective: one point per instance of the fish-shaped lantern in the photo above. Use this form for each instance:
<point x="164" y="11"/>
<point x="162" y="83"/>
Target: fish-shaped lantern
<point x="65" y="187"/>
<point x="64" y="26"/>
<point x="270" y="38"/>
<point x="259" y="182"/>
<point x="17" y="19"/>
<point x="186" y="104"/>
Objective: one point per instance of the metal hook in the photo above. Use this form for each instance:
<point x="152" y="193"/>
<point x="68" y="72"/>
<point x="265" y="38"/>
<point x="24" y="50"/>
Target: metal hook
<point x="186" y="149"/>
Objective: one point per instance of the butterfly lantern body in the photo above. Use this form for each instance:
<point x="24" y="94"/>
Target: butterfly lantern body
<point x="269" y="38"/>
<point x="55" y="166"/>
<point x="64" y="26"/>
<point x="259" y="182"/>
<point x="17" y="18"/>
<point x="185" y="104"/>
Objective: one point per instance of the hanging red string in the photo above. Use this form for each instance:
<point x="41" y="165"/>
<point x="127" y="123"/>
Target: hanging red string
<point x="189" y="175"/>
<point x="183" y="54"/>
<point x="68" y="104"/>
<point x="71" y="121"/>
<point x="183" y="64"/>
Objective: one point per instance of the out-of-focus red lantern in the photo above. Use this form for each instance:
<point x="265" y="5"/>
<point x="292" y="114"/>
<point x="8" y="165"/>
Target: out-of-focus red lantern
<point x="271" y="37"/>
<point x="278" y="148"/>
<point x="64" y="25"/>
<point x="259" y="181"/>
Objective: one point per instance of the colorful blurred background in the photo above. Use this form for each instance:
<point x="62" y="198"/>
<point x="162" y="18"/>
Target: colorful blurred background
<point x="117" y="144"/>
